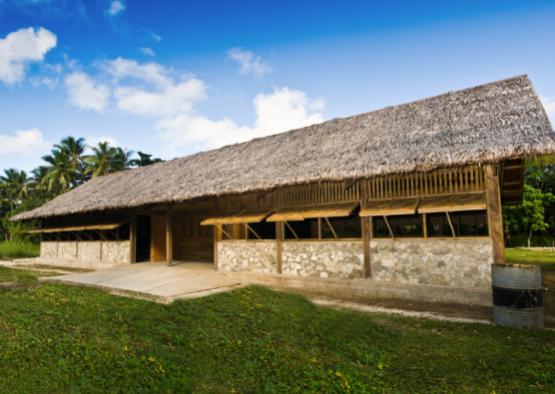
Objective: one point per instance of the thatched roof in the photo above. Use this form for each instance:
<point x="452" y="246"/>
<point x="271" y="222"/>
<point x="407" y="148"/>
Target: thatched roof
<point x="488" y="123"/>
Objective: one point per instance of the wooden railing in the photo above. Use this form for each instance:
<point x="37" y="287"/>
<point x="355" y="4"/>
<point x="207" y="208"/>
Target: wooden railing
<point x="444" y="181"/>
<point x="439" y="182"/>
<point x="317" y="194"/>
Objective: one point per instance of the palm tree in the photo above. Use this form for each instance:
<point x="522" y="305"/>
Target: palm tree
<point x="74" y="148"/>
<point x="144" y="160"/>
<point x="15" y="186"/>
<point x="102" y="161"/>
<point x="61" y="171"/>
<point x="121" y="159"/>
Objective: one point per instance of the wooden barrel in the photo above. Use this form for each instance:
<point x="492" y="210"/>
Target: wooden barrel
<point x="517" y="295"/>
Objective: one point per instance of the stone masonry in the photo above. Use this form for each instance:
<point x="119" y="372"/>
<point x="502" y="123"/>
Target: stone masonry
<point x="445" y="262"/>
<point x="252" y="256"/>
<point x="89" y="254"/>
<point x="323" y="259"/>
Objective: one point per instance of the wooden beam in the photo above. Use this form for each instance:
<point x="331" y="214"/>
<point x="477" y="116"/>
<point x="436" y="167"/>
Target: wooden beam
<point x="425" y="225"/>
<point x="388" y="226"/>
<point x="252" y="231"/>
<point x="132" y="239"/>
<point x="169" y="237"/>
<point x="450" y="224"/>
<point x="291" y="229"/>
<point x="217" y="238"/>
<point x="331" y="228"/>
<point x="514" y="167"/>
<point x="366" y="223"/>
<point x="279" y="246"/>
<point x="495" y="214"/>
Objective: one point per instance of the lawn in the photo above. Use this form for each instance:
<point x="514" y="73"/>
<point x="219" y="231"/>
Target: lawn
<point x="58" y="338"/>
<point x="545" y="258"/>
<point x="16" y="276"/>
<point x="18" y="249"/>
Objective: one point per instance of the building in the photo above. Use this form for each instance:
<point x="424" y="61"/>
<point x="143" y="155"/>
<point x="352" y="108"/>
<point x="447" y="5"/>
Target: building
<point x="405" y="196"/>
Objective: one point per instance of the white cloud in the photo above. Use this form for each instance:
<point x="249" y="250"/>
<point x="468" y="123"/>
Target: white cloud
<point x="285" y="109"/>
<point x="249" y="62"/>
<point x="147" y="51"/>
<point x="282" y="110"/>
<point x="549" y="105"/>
<point x="84" y="93"/>
<point x="153" y="73"/>
<point x="116" y="7"/>
<point x="28" y="142"/>
<point x="171" y="100"/>
<point x="20" y="48"/>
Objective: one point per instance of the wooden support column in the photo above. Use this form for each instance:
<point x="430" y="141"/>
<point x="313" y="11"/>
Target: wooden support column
<point x="133" y="239"/>
<point x="169" y="237"/>
<point x="366" y="238"/>
<point x="279" y="246"/>
<point x="495" y="214"/>
<point x="366" y="227"/>
<point x="217" y="237"/>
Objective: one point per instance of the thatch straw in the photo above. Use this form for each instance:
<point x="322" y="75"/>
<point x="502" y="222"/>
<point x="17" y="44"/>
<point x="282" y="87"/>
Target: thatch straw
<point x="488" y="123"/>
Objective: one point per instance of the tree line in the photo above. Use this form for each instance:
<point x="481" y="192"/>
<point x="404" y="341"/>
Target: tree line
<point x="532" y="223"/>
<point x="67" y="166"/>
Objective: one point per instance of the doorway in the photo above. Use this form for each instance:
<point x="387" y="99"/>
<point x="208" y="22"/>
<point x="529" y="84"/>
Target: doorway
<point x="143" y="238"/>
<point x="158" y="237"/>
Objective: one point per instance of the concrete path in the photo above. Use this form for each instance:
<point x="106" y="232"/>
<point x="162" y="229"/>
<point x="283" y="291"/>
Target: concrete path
<point x="155" y="281"/>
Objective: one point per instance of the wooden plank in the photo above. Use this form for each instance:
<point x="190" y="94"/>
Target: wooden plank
<point x="405" y="206"/>
<point x="238" y="218"/>
<point x="107" y="226"/>
<point x="453" y="203"/>
<point x="132" y="240"/>
<point x="495" y="214"/>
<point x="297" y="214"/>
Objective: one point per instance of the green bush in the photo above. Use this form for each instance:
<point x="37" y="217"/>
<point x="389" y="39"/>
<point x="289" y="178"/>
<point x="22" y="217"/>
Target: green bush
<point x="18" y="249"/>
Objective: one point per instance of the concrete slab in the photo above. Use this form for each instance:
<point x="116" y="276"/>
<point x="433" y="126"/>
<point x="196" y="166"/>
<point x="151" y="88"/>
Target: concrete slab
<point x="155" y="280"/>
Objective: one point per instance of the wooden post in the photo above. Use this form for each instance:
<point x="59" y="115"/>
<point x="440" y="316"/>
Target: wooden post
<point x="366" y="227"/>
<point x="495" y="214"/>
<point x="169" y="237"/>
<point x="217" y="237"/>
<point x="133" y="239"/>
<point x="279" y="246"/>
<point x="366" y="238"/>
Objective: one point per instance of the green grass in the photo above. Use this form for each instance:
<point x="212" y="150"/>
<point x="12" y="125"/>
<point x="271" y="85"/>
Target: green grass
<point x="18" y="249"/>
<point x="16" y="276"/>
<point x="57" y="338"/>
<point x="545" y="258"/>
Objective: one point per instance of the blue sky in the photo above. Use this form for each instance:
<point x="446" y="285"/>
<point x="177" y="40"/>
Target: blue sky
<point x="173" y="78"/>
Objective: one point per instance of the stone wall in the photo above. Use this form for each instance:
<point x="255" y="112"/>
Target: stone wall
<point x="87" y="254"/>
<point x="442" y="262"/>
<point x="67" y="250"/>
<point x="324" y="259"/>
<point x="88" y="251"/>
<point x="252" y="256"/>
<point x="116" y="252"/>
<point x="48" y="249"/>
